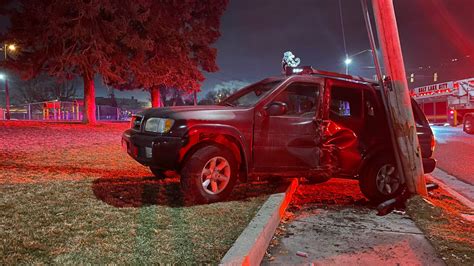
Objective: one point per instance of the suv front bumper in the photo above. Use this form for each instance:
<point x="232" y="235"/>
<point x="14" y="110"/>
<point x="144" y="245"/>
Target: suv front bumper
<point x="151" y="150"/>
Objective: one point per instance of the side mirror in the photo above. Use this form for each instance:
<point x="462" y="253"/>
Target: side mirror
<point x="276" y="109"/>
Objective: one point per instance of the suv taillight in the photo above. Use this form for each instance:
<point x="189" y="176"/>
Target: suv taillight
<point x="433" y="143"/>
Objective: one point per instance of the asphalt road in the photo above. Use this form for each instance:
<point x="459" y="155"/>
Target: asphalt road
<point x="455" y="152"/>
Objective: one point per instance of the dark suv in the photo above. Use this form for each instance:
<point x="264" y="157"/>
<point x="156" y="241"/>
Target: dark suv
<point x="307" y="123"/>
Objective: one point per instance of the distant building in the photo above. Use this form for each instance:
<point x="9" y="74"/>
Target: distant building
<point x="122" y="103"/>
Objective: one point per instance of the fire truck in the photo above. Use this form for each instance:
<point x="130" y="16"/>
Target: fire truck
<point x="449" y="102"/>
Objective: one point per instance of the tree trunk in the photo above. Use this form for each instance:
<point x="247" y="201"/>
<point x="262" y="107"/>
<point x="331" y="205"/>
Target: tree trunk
<point x="155" y="97"/>
<point x="175" y="97"/>
<point x="89" y="101"/>
<point x="195" y="98"/>
<point x="163" y="93"/>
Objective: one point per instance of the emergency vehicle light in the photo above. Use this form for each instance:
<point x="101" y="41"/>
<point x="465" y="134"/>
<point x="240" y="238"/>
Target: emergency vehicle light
<point x="308" y="70"/>
<point x="299" y="70"/>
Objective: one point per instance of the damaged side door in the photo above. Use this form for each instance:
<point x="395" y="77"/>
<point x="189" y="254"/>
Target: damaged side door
<point x="288" y="141"/>
<point x="345" y="124"/>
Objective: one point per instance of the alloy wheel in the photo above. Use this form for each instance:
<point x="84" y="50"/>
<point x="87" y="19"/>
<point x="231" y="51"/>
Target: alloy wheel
<point x="215" y="175"/>
<point x="387" y="180"/>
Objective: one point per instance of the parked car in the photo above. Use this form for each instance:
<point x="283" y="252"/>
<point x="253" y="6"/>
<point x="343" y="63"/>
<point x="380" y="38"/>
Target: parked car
<point x="310" y="124"/>
<point x="468" y="123"/>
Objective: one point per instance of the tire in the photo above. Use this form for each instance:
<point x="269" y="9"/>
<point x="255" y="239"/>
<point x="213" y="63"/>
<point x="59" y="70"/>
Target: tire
<point x="158" y="172"/>
<point x="215" y="185"/>
<point x="468" y="125"/>
<point x="317" y="179"/>
<point x="373" y="184"/>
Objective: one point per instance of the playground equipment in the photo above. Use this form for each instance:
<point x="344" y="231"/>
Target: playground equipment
<point x="57" y="110"/>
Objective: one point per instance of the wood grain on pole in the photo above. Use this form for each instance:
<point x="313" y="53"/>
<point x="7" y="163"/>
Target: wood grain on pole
<point x="399" y="97"/>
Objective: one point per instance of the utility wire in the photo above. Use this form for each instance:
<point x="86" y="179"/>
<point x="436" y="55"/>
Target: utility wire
<point x="342" y="27"/>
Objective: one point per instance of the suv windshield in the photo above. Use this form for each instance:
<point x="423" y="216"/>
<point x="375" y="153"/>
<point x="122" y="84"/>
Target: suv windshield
<point x="250" y="95"/>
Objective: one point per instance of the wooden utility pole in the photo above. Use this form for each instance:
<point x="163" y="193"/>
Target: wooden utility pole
<point x="399" y="103"/>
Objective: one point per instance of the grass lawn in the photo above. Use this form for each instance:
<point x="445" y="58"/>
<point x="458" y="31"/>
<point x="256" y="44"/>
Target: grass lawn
<point x="443" y="221"/>
<point x="70" y="195"/>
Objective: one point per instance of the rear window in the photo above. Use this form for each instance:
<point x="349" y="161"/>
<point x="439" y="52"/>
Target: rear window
<point x="420" y="119"/>
<point x="345" y="103"/>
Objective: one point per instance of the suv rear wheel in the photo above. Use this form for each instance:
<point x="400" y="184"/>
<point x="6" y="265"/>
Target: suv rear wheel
<point x="468" y="126"/>
<point x="209" y="174"/>
<point x="381" y="180"/>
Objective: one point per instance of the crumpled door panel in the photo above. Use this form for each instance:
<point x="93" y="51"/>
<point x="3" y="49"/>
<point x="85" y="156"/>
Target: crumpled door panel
<point x="340" y="153"/>
<point x="306" y="149"/>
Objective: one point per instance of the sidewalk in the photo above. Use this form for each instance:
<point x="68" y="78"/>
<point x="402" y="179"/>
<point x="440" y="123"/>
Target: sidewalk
<point x="352" y="236"/>
<point x="333" y="224"/>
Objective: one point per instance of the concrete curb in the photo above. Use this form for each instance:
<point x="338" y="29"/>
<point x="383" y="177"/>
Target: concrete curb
<point x="438" y="180"/>
<point x="251" y="245"/>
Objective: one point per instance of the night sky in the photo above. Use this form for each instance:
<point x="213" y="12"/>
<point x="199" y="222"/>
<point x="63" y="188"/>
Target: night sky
<point x="256" y="33"/>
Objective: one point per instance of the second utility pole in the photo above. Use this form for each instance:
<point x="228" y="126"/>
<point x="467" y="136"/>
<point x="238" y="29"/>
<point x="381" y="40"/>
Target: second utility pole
<point x="399" y="103"/>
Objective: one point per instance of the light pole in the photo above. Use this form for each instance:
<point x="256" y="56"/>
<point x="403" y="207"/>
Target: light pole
<point x="348" y="59"/>
<point x="12" y="48"/>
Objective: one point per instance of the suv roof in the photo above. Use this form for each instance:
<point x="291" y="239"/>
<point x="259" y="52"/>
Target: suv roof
<point x="308" y="70"/>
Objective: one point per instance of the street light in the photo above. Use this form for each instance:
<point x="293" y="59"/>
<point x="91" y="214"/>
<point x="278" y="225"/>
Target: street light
<point x="7" y="96"/>
<point x="348" y="59"/>
<point x="9" y="47"/>
<point x="347" y="62"/>
<point x="12" y="47"/>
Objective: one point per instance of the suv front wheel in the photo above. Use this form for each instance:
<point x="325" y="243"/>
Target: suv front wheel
<point x="209" y="174"/>
<point x="381" y="180"/>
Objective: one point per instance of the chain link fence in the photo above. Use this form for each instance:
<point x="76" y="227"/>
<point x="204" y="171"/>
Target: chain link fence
<point x="62" y="111"/>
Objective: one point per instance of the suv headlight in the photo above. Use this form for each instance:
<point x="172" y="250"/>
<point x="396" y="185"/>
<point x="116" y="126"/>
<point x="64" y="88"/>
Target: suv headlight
<point x="158" y="125"/>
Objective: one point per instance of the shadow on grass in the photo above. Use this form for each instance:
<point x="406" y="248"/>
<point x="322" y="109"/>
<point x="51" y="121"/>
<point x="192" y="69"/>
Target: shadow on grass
<point x="144" y="191"/>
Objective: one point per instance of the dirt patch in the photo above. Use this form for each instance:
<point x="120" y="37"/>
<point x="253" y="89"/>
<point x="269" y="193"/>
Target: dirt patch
<point x="444" y="221"/>
<point x="336" y="193"/>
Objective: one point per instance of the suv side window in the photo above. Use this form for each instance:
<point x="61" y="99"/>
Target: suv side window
<point x="346" y="108"/>
<point x="345" y="103"/>
<point x="301" y="99"/>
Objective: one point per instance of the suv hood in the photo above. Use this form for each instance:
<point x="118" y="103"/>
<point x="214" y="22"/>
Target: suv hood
<point x="207" y="113"/>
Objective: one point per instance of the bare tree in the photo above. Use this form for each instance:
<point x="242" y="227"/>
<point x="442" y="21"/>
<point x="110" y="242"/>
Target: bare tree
<point x="44" y="88"/>
<point x="222" y="91"/>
